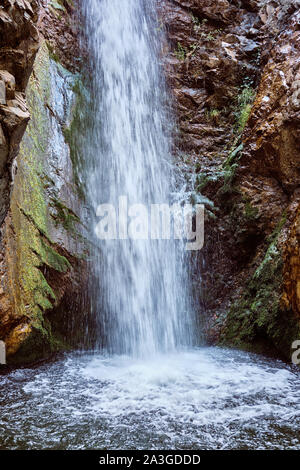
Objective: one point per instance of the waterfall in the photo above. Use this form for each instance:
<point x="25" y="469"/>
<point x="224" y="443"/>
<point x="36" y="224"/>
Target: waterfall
<point x="142" y="296"/>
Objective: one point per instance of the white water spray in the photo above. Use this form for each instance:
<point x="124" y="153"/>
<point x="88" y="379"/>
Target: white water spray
<point x="143" y="304"/>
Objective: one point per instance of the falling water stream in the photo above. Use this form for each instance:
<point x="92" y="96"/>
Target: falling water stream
<point x="150" y="386"/>
<point x="144" y="302"/>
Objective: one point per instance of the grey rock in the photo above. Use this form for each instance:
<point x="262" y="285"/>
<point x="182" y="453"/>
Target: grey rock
<point x="2" y="93"/>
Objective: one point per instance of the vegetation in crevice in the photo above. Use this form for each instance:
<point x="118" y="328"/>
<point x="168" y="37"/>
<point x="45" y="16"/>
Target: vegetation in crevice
<point x="243" y="107"/>
<point x="183" y="53"/>
<point x="257" y="320"/>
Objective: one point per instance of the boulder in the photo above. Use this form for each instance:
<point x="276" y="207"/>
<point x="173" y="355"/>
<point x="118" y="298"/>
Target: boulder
<point x="2" y="93"/>
<point x="10" y="84"/>
<point x="14" y="120"/>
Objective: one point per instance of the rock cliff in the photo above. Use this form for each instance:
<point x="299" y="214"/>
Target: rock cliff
<point x="43" y="237"/>
<point x="19" y="43"/>
<point x="233" y="69"/>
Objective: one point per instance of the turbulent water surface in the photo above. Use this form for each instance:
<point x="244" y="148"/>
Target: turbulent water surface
<point x="208" y="398"/>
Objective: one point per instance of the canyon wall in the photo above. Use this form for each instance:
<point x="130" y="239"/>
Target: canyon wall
<point x="44" y="249"/>
<point x="233" y="70"/>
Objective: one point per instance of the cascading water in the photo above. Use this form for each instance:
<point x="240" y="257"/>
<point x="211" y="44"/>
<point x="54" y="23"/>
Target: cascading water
<point x="143" y="306"/>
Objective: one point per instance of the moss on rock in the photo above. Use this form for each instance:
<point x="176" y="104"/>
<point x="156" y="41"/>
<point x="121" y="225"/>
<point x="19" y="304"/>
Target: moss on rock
<point x="81" y="119"/>
<point x="33" y="254"/>
<point x="257" y="321"/>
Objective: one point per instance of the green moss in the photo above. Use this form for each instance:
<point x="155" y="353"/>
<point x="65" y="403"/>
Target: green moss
<point x="243" y="117"/>
<point x="250" y="212"/>
<point x="52" y="54"/>
<point x="33" y="253"/>
<point x="228" y="171"/>
<point x="245" y="101"/>
<point x="51" y="258"/>
<point x="65" y="216"/>
<point x="180" y="52"/>
<point x="203" y="179"/>
<point x="256" y="321"/>
<point x="224" y="176"/>
<point x="40" y="344"/>
<point x="80" y="120"/>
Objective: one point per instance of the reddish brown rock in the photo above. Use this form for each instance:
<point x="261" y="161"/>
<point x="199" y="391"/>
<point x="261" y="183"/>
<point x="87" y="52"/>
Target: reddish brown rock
<point x="272" y="145"/>
<point x="42" y="245"/>
<point x="220" y="55"/>
<point x="19" y="43"/>
<point x="19" y="38"/>
<point x="9" y="83"/>
<point x="60" y="28"/>
<point x="291" y="296"/>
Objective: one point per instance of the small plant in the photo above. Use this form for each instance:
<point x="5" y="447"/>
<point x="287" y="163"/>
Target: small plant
<point x="207" y="36"/>
<point x="180" y="52"/>
<point x="198" y="23"/>
<point x="244" y="105"/>
<point x="250" y="212"/>
<point x="183" y="53"/>
<point x="196" y="20"/>
<point x="246" y="96"/>
<point x="193" y="48"/>
<point x="212" y="114"/>
<point x="211" y="35"/>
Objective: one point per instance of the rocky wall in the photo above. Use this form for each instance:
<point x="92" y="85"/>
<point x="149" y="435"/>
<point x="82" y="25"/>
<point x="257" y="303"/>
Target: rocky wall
<point x="232" y="68"/>
<point x="44" y="247"/>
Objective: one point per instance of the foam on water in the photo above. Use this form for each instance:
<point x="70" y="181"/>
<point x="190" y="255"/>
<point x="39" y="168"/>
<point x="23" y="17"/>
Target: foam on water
<point x="206" y="398"/>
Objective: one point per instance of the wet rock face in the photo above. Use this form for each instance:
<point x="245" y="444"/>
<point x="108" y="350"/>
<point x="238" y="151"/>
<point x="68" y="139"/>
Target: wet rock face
<point x="291" y="273"/>
<point x="233" y="70"/>
<point x="272" y="138"/>
<point x="212" y="54"/>
<point x="43" y="241"/>
<point x="222" y="11"/>
<point x="42" y="267"/>
<point x="59" y="24"/>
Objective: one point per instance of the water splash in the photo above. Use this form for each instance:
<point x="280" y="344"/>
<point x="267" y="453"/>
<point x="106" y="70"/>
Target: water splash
<point x="142" y="294"/>
<point x="208" y="398"/>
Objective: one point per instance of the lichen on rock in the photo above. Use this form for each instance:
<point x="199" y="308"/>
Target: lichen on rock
<point x="233" y="70"/>
<point x="258" y="320"/>
<point x="40" y="256"/>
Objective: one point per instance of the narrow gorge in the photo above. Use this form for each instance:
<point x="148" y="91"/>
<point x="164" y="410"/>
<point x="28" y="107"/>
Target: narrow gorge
<point x="110" y="107"/>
